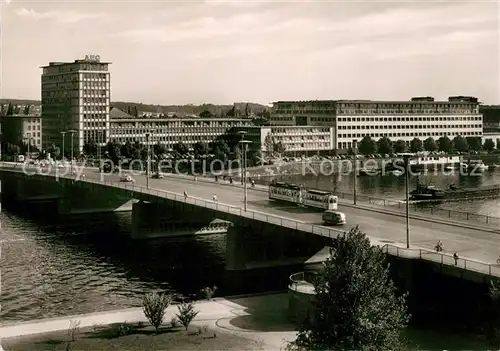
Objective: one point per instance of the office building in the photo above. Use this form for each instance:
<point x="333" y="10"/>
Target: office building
<point x="491" y="117"/>
<point x="76" y="96"/>
<point x="169" y="131"/>
<point x="22" y="124"/>
<point x="398" y="120"/>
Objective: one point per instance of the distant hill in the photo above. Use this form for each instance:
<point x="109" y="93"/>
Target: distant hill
<point x="217" y="110"/>
<point x="179" y="109"/>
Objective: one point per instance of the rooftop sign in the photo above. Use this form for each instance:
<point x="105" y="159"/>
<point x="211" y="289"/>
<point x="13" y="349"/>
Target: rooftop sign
<point x="92" y="58"/>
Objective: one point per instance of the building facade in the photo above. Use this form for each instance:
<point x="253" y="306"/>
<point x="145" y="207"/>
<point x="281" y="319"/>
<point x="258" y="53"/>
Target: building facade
<point x="22" y="125"/>
<point x="398" y="120"/>
<point x="76" y="96"/>
<point x="491" y="117"/>
<point x="169" y="131"/>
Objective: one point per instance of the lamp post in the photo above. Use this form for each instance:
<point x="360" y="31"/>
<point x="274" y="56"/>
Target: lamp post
<point x="245" y="143"/>
<point x="355" y="150"/>
<point x="406" y="158"/>
<point x="99" y="138"/>
<point x="242" y="133"/>
<point x="63" y="133"/>
<point x="28" y="136"/>
<point x="148" y="165"/>
<point x="72" y="132"/>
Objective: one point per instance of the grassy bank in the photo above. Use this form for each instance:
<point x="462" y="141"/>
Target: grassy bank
<point x="132" y="337"/>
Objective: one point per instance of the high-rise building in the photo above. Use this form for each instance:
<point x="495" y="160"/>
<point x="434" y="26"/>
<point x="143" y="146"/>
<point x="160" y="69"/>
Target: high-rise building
<point x="76" y="96"/>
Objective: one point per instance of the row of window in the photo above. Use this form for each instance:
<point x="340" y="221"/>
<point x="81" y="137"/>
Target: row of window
<point x="408" y="119"/>
<point x="395" y="135"/>
<point x="414" y="126"/>
<point x="176" y="131"/>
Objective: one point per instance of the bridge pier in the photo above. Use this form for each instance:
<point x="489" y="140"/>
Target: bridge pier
<point x="167" y="219"/>
<point x="264" y="245"/>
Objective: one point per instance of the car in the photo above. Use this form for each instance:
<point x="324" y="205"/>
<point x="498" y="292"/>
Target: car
<point x="157" y="175"/>
<point x="332" y="217"/>
<point x="127" y="178"/>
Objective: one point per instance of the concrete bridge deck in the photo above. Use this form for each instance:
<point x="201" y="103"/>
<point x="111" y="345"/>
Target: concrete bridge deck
<point x="478" y="247"/>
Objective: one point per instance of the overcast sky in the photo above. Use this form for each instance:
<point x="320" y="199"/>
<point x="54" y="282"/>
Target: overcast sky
<point x="169" y="52"/>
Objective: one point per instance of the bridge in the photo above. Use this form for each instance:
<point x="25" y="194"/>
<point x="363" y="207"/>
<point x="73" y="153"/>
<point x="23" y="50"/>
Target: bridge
<point x="267" y="234"/>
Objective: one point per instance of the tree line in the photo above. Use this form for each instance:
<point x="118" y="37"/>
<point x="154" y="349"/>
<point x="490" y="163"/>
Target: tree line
<point x="369" y="146"/>
<point x="220" y="149"/>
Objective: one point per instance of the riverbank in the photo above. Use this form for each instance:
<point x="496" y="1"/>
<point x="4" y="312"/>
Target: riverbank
<point x="240" y="323"/>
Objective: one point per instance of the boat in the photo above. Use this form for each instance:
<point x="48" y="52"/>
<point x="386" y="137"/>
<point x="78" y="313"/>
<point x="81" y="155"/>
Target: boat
<point x="369" y="172"/>
<point x="427" y="192"/>
<point x="476" y="166"/>
<point x="434" y="193"/>
<point x="397" y="172"/>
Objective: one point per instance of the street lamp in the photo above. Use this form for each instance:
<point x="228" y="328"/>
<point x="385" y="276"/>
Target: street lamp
<point x="72" y="131"/>
<point x="148" y="165"/>
<point x="99" y="140"/>
<point x="355" y="150"/>
<point x="28" y="136"/>
<point x="242" y="133"/>
<point x="245" y="143"/>
<point x="63" y="133"/>
<point x="406" y="158"/>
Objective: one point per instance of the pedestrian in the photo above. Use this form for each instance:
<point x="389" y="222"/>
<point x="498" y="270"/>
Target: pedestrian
<point x="455" y="257"/>
<point x="185" y="195"/>
<point x="215" y="198"/>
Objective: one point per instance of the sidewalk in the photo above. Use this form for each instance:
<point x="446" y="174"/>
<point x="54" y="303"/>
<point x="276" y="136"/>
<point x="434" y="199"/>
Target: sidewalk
<point x="253" y="317"/>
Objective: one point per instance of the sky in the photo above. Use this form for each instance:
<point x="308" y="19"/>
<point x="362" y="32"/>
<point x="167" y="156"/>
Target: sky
<point x="182" y="52"/>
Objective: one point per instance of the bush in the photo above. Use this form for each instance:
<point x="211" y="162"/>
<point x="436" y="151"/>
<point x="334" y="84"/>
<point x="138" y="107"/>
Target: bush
<point x="208" y="292"/>
<point x="186" y="314"/>
<point x="154" y="305"/>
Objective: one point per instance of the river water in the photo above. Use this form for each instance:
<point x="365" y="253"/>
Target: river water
<point x="87" y="263"/>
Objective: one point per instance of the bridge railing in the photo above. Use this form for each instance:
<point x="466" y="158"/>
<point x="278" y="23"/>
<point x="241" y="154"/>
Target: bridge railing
<point x="415" y="253"/>
<point x="392" y="204"/>
<point x="411" y="253"/>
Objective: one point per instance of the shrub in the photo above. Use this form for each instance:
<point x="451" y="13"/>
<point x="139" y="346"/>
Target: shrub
<point x="173" y="322"/>
<point x="208" y="292"/>
<point x="186" y="314"/>
<point x="154" y="305"/>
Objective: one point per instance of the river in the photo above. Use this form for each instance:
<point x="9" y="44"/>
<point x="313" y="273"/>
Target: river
<point x="87" y="263"/>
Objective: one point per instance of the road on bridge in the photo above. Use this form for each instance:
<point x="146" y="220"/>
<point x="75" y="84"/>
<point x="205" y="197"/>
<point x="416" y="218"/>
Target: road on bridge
<point x="471" y="242"/>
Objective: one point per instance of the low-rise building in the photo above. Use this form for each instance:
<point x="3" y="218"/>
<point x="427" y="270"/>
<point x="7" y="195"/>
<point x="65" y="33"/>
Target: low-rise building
<point x="22" y="124"/>
<point x="421" y="117"/>
<point x="170" y="131"/>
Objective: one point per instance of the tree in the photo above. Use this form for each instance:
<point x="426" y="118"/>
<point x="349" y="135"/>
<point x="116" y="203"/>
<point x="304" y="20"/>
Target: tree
<point x="159" y="149"/>
<point x="248" y="111"/>
<point x="206" y="114"/>
<point x="181" y="148"/>
<point x="498" y="144"/>
<point x="54" y="151"/>
<point x="113" y="150"/>
<point x="430" y="144"/>
<point x="10" y="109"/>
<point x="356" y="306"/>
<point x="90" y="148"/>
<point x="416" y="145"/>
<point x="475" y="143"/>
<point x="231" y="112"/>
<point x="237" y="153"/>
<point x="400" y="146"/>
<point x="154" y="306"/>
<point x="126" y="150"/>
<point x="136" y="151"/>
<point x="460" y="144"/>
<point x="186" y="314"/>
<point x="367" y="145"/>
<point x="269" y="145"/>
<point x="489" y="145"/>
<point x="200" y="148"/>
<point x="445" y="144"/>
<point x="384" y="145"/>
<point x="255" y="157"/>
<point x="279" y="148"/>
<point x="221" y="150"/>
